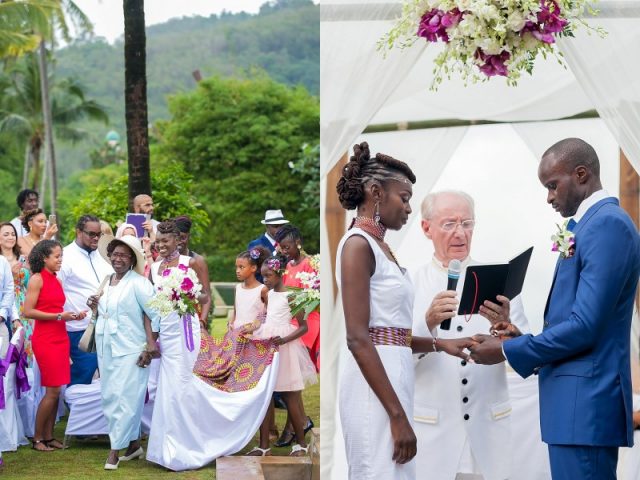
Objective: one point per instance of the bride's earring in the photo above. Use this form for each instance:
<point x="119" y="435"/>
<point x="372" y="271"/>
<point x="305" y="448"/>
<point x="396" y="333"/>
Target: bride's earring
<point x="376" y="216"/>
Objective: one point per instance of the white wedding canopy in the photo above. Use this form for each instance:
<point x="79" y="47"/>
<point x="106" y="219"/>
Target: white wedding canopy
<point x="496" y="163"/>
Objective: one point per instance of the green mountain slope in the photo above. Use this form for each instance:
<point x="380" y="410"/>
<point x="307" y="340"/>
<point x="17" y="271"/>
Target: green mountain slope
<point x="283" y="40"/>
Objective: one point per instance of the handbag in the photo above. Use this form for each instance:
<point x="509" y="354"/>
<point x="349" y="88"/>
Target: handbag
<point x="87" y="342"/>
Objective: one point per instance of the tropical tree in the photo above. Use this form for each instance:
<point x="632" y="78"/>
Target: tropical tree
<point x="21" y="109"/>
<point x="135" y="92"/>
<point x="18" y="22"/>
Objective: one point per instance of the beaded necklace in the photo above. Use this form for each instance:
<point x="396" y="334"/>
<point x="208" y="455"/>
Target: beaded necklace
<point x="170" y="258"/>
<point x="375" y="229"/>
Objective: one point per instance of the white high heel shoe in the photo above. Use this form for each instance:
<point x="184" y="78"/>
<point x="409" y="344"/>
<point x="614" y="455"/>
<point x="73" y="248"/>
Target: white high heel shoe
<point x="111" y="466"/>
<point x="139" y="453"/>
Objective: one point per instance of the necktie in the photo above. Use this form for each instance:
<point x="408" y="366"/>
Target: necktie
<point x="571" y="224"/>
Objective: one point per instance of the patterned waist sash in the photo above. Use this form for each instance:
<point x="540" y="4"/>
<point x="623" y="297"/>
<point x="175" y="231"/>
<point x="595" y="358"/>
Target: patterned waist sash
<point x="400" y="337"/>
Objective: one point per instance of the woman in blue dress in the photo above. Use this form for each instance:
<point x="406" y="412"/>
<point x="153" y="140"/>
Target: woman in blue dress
<point x="125" y="344"/>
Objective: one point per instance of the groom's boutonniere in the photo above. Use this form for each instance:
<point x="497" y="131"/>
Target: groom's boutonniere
<point x="564" y="241"/>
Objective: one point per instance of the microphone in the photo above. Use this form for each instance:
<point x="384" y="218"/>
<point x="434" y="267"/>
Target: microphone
<point x="455" y="267"/>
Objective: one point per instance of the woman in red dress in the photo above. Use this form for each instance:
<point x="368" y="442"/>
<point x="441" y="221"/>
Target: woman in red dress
<point x="45" y="303"/>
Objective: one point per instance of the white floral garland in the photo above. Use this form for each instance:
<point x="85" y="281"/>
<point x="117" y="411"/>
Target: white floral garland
<point x="485" y="38"/>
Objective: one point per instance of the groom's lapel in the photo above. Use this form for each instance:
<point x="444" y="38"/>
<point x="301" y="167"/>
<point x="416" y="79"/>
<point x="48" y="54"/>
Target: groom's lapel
<point x="578" y="226"/>
<point x="555" y="273"/>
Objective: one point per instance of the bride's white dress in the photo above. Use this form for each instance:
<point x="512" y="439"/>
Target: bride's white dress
<point x="193" y="423"/>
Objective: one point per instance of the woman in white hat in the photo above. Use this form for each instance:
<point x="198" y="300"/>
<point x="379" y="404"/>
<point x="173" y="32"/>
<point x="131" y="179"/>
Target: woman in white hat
<point x="124" y="343"/>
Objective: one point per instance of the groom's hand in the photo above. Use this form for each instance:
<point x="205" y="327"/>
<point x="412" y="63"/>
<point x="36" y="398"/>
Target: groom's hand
<point x="487" y="350"/>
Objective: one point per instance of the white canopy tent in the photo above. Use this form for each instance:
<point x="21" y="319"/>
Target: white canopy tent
<point x="496" y="163"/>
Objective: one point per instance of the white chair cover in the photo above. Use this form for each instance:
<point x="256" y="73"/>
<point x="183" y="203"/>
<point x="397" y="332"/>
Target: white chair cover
<point x="85" y="410"/>
<point x="11" y="429"/>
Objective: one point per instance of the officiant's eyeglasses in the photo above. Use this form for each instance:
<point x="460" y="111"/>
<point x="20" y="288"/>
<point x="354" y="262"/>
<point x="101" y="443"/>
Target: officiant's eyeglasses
<point x="465" y="224"/>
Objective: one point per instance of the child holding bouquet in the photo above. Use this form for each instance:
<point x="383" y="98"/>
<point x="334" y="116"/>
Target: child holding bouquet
<point x="295" y="367"/>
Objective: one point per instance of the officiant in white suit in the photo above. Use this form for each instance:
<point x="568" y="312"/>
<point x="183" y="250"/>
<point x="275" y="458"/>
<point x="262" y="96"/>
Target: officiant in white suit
<point x="461" y="410"/>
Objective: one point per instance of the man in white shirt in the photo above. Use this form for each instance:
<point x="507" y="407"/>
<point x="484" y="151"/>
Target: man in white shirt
<point x="461" y="410"/>
<point x="27" y="200"/>
<point x="83" y="269"/>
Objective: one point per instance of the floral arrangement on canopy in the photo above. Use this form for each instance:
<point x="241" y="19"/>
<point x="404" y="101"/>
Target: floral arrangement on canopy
<point x="307" y="297"/>
<point x="485" y="38"/>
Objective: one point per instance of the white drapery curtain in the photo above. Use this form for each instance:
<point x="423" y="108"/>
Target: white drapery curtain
<point x="608" y="70"/>
<point x="355" y="85"/>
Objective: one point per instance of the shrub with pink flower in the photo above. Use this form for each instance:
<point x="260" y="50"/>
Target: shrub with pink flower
<point x="486" y="38"/>
<point x="177" y="290"/>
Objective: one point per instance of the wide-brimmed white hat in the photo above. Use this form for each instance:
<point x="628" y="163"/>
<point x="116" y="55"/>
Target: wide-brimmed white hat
<point x="274" y="217"/>
<point x="130" y="241"/>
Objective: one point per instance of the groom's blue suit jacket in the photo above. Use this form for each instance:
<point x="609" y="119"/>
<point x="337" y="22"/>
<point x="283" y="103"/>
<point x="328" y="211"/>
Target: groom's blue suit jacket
<point x="583" y="351"/>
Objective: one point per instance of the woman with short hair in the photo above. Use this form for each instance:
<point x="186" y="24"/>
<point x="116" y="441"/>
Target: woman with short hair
<point x="44" y="303"/>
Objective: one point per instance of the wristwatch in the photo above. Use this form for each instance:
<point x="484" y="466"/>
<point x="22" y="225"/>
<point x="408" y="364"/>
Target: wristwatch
<point x="59" y="317"/>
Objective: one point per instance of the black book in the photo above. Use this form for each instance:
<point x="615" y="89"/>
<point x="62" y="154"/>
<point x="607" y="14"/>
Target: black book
<point x="485" y="282"/>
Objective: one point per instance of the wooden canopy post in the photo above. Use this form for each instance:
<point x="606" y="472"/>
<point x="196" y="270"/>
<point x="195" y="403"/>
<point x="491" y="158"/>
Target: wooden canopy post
<point x="335" y="215"/>
<point x="629" y="189"/>
<point x="630" y="201"/>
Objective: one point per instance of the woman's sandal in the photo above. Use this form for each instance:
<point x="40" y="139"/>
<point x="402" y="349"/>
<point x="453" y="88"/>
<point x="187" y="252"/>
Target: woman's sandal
<point x="43" y="446"/>
<point x="58" y="445"/>
<point x="296" y="449"/>
<point x="285" y="439"/>
<point x="288" y="437"/>
<point x="259" y="452"/>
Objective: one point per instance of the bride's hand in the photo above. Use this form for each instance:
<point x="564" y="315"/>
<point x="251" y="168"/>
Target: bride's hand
<point x="404" y="440"/>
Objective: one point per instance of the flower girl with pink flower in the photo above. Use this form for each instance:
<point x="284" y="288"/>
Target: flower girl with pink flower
<point x="295" y="369"/>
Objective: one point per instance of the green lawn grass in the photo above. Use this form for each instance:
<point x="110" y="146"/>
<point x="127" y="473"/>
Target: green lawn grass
<point x="85" y="459"/>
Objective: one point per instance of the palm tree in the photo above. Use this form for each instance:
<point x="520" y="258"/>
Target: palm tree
<point x="21" y="108"/>
<point x="18" y="22"/>
<point x="66" y="9"/>
<point x="135" y="90"/>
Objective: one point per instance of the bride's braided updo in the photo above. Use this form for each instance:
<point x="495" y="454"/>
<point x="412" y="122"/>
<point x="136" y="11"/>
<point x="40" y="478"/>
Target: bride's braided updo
<point x="362" y="168"/>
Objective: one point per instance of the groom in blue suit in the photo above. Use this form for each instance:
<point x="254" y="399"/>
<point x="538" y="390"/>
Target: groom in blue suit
<point x="582" y="356"/>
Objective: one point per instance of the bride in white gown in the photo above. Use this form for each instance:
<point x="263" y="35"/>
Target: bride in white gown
<point x="193" y="422"/>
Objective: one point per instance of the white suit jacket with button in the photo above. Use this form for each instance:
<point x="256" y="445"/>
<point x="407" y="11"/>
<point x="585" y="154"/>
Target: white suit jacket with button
<point x="456" y="401"/>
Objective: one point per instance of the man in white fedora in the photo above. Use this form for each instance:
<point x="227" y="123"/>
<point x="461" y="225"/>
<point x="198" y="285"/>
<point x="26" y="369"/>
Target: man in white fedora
<point x="273" y="220"/>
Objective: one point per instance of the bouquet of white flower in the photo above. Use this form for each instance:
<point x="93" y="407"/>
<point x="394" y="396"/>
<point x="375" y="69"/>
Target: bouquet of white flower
<point x="491" y="37"/>
<point x="178" y="289"/>
<point x="307" y="297"/>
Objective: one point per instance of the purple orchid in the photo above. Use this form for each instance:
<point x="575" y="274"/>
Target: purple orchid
<point x="434" y="24"/>
<point x="493" y="64"/>
<point x="548" y="22"/>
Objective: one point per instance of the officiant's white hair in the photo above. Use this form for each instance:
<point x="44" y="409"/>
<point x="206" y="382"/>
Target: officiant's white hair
<point x="429" y="203"/>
